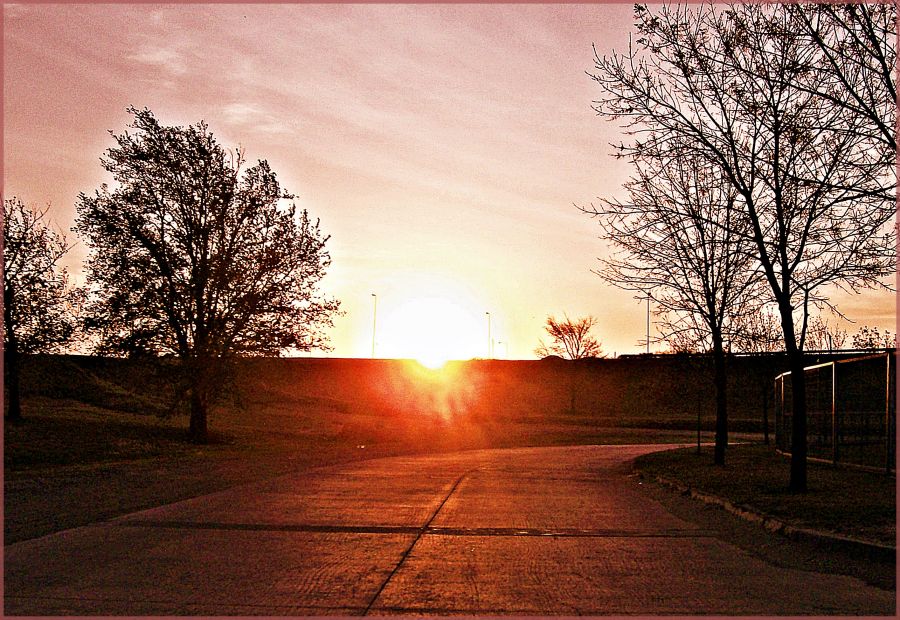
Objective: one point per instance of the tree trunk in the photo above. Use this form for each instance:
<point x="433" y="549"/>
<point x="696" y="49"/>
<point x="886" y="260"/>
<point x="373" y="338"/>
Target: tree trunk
<point x="721" y="383"/>
<point x="14" y="410"/>
<point x="798" y="398"/>
<point x="198" y="432"/>
<point x="11" y="356"/>
<point x="573" y="390"/>
<point x="798" y="422"/>
<point x="200" y="382"/>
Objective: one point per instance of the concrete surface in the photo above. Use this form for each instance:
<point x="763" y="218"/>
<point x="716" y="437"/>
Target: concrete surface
<point x="536" y="531"/>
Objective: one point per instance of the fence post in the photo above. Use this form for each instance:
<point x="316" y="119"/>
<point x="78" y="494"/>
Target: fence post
<point x="781" y="409"/>
<point x="887" y="412"/>
<point x="777" y="404"/>
<point x="834" y="422"/>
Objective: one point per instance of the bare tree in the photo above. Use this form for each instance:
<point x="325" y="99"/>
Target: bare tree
<point x="822" y="336"/>
<point x="193" y="256"/>
<point x="683" y="342"/>
<point x="38" y="303"/>
<point x="735" y="86"/>
<point x="570" y="339"/>
<point x="759" y="331"/>
<point x="857" y="51"/>
<point x="870" y="338"/>
<point x="681" y="239"/>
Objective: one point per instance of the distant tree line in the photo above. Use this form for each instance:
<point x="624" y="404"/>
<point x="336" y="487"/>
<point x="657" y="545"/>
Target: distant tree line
<point x="762" y="143"/>
<point x="193" y="254"/>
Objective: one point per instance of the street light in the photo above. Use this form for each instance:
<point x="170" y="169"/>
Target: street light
<point x="648" y="324"/>
<point x="490" y="348"/>
<point x="374" y="317"/>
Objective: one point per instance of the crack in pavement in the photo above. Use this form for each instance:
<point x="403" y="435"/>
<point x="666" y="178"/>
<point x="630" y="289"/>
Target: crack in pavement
<point x="427" y="530"/>
<point x="418" y="537"/>
<point x="274" y="527"/>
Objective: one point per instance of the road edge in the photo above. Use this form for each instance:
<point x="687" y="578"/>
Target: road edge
<point x="863" y="548"/>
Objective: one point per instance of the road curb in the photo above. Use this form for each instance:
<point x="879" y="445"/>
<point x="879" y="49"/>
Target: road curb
<point x="856" y="546"/>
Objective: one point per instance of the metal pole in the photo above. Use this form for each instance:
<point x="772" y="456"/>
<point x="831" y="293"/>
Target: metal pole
<point x="648" y="324"/>
<point x="834" y="422"/>
<point x="489" y="347"/>
<point x="783" y="426"/>
<point x="887" y="412"/>
<point x="698" y="428"/>
<point x="374" y="318"/>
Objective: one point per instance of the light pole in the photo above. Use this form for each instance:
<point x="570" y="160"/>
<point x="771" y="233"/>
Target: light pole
<point x="648" y="324"/>
<point x="374" y="317"/>
<point x="505" y="344"/>
<point x="490" y="348"/>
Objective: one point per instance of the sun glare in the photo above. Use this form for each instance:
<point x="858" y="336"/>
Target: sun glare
<point x="432" y="331"/>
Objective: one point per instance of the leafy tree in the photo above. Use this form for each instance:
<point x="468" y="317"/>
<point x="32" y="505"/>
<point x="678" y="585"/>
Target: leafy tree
<point x="570" y="339"/>
<point x="194" y="255"/>
<point x="681" y="239"/>
<point x="38" y="303"/>
<point x="736" y="86"/>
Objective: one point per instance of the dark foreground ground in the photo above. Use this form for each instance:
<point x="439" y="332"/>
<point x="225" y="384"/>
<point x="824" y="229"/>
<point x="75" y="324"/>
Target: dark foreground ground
<point x="535" y="531"/>
<point x="105" y="437"/>
<point x="102" y="442"/>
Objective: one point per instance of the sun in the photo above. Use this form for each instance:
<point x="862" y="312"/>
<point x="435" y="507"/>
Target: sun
<point x="431" y="330"/>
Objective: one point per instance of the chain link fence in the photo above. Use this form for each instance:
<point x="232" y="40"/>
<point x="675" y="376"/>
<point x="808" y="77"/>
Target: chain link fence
<point x="851" y="411"/>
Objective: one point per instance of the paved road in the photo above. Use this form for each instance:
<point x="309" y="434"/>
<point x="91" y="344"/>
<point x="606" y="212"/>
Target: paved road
<point x="537" y="531"/>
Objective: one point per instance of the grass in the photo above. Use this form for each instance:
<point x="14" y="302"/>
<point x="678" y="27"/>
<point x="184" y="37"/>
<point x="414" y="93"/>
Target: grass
<point x="59" y="433"/>
<point x="849" y="502"/>
<point x="84" y="410"/>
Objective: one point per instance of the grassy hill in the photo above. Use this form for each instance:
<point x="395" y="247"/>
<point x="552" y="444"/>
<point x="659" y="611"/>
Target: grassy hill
<point x="91" y="409"/>
<point x="103" y="437"/>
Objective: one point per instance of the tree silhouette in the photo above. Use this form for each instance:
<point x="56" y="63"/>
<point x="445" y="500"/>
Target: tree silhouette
<point x="737" y="86"/>
<point x="38" y="303"/>
<point x="820" y="336"/>
<point x="857" y="55"/>
<point x="870" y="338"/>
<point x="194" y="256"/>
<point x="759" y="331"/>
<point x="570" y="339"/>
<point x="681" y="239"/>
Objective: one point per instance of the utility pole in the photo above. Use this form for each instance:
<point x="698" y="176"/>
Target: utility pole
<point x="374" y="317"/>
<point x="648" y="324"/>
<point x="490" y="347"/>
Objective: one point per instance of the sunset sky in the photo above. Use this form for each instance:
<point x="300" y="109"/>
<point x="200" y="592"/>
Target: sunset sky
<point x="443" y="147"/>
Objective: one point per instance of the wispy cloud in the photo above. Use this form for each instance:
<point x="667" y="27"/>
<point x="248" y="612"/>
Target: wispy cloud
<point x="243" y="116"/>
<point x="163" y="57"/>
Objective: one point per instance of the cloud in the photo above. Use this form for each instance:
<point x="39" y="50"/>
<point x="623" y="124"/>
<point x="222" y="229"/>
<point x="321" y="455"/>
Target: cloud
<point x="163" y="57"/>
<point x="244" y="115"/>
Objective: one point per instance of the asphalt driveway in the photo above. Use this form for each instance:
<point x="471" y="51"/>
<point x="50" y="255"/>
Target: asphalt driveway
<point x="532" y="531"/>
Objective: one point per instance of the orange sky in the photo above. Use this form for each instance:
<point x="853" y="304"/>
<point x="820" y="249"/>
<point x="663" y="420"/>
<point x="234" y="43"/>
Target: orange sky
<point x="442" y="146"/>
